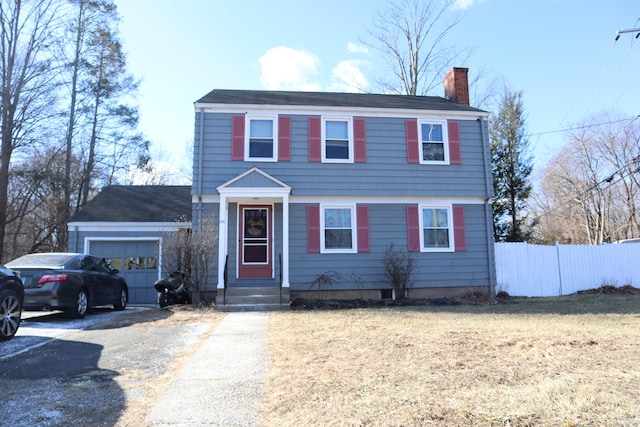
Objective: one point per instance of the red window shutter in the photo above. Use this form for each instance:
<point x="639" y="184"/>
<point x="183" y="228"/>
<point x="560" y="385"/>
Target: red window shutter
<point x="284" y="138"/>
<point x="459" y="238"/>
<point x="313" y="229"/>
<point x="359" y="141"/>
<point x="454" y="143"/>
<point x="413" y="228"/>
<point x="362" y="218"/>
<point x="413" y="149"/>
<point x="315" y="136"/>
<point x="237" y="138"/>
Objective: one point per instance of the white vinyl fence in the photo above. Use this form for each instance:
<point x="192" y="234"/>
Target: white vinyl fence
<point x="529" y="270"/>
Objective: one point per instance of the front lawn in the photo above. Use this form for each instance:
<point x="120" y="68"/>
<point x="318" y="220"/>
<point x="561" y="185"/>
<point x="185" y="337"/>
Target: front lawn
<point x="570" y="361"/>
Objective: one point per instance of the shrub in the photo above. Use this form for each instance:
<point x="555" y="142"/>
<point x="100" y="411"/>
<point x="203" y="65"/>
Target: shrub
<point x="325" y="280"/>
<point x="399" y="270"/>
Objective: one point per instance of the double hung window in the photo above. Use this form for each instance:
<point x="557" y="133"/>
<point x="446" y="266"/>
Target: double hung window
<point x="337" y="140"/>
<point x="261" y="142"/>
<point x="437" y="228"/>
<point x="338" y="225"/>
<point x="433" y="142"/>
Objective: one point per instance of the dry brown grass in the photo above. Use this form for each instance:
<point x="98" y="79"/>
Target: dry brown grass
<point x="555" y="362"/>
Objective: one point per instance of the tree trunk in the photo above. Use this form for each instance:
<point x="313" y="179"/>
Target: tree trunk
<point x="5" y="160"/>
<point x="66" y="207"/>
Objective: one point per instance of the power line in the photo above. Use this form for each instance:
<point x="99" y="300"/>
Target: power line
<point x="622" y="173"/>
<point x="582" y="127"/>
<point x="631" y="167"/>
<point x="598" y="68"/>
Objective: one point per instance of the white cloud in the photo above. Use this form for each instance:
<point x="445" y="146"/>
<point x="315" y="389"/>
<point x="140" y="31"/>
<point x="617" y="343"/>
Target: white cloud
<point x="284" y="68"/>
<point x="356" y="48"/>
<point x="347" y="77"/>
<point x="466" y="4"/>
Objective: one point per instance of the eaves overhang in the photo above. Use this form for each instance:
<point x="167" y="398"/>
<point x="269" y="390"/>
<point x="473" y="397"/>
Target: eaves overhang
<point x="336" y="110"/>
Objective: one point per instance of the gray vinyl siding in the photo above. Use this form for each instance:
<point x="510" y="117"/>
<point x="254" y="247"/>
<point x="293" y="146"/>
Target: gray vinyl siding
<point x="385" y="174"/>
<point x="386" y="171"/>
<point x="387" y="224"/>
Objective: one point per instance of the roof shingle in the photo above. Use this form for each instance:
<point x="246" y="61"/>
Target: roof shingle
<point x="332" y="99"/>
<point x="138" y="203"/>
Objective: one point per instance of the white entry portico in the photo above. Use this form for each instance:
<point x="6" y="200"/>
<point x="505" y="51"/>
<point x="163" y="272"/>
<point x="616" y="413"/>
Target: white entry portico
<point x="255" y="192"/>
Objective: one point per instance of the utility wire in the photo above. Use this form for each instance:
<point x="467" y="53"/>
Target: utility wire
<point x="582" y="127"/>
<point x="622" y="173"/>
<point x="598" y="67"/>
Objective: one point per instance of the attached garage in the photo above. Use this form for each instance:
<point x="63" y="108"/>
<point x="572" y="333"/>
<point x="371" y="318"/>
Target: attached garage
<point x="126" y="224"/>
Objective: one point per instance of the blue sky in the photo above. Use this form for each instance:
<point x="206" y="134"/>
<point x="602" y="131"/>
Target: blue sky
<point x="560" y="53"/>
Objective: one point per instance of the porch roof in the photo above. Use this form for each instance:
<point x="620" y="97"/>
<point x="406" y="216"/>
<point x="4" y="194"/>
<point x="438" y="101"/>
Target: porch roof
<point x="254" y="178"/>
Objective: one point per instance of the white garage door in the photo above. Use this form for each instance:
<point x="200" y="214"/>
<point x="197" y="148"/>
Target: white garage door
<point x="137" y="261"/>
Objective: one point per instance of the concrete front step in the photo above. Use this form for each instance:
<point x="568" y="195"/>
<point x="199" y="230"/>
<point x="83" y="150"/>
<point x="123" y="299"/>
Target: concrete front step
<point x="253" y="307"/>
<point x="264" y="298"/>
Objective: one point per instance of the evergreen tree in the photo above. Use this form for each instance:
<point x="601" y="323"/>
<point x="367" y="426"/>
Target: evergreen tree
<point x="511" y="165"/>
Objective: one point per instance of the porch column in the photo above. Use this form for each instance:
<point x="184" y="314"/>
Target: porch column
<point x="223" y="219"/>
<point x="285" y="241"/>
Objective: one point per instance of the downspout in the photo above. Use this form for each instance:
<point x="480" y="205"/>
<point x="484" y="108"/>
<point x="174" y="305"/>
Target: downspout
<point x="200" y="163"/>
<point x="488" y="211"/>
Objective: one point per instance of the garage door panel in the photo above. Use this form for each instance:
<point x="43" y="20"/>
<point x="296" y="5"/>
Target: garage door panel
<point x="137" y="261"/>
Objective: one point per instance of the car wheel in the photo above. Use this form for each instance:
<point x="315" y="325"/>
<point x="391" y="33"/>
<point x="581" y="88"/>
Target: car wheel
<point x="122" y="302"/>
<point x="81" y="307"/>
<point x="10" y="312"/>
<point x="162" y="299"/>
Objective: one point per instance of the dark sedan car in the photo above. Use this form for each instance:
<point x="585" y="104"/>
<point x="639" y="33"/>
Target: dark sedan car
<point x="70" y="282"/>
<point x="11" y="296"/>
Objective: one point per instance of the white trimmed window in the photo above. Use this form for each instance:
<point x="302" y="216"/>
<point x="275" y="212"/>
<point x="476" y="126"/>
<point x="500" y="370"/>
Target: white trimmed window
<point x="337" y="140"/>
<point x="436" y="224"/>
<point x="338" y="229"/>
<point x="433" y="141"/>
<point x="261" y="142"/>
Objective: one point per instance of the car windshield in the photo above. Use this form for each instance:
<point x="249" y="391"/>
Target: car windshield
<point x="49" y="260"/>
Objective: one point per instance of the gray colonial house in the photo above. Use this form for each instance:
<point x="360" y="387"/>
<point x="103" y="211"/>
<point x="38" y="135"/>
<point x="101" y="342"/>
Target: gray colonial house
<point x="306" y="187"/>
<point x="310" y="185"/>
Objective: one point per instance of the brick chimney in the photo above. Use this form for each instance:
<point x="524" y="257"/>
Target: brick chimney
<point x="456" y="85"/>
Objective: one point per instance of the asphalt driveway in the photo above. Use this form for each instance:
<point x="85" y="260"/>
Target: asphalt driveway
<point x="110" y="368"/>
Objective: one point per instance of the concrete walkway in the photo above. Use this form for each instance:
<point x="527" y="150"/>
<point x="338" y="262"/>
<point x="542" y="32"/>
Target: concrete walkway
<point x="221" y="384"/>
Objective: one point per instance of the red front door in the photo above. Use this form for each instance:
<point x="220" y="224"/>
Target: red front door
<point x="255" y="242"/>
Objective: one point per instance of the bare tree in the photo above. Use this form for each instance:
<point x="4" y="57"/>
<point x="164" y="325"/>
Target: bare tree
<point x="191" y="252"/>
<point x="86" y="16"/>
<point x="411" y="36"/>
<point x="26" y="68"/>
<point x="106" y="84"/>
<point x="34" y="216"/>
<point x="65" y="94"/>
<point x="589" y="192"/>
